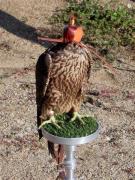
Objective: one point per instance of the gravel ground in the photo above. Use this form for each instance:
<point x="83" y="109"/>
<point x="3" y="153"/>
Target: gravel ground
<point x="110" y="99"/>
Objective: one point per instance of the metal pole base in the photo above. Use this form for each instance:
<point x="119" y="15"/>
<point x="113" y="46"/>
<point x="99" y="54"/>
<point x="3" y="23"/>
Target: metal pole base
<point x="69" y="162"/>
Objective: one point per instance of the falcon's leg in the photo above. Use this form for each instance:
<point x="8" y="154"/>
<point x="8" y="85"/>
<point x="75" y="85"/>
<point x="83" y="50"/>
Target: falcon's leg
<point x="77" y="116"/>
<point x="50" y="102"/>
<point x="51" y="120"/>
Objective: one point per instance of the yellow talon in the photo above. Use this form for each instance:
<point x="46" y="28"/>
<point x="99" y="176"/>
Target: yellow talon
<point x="76" y="116"/>
<point x="52" y="120"/>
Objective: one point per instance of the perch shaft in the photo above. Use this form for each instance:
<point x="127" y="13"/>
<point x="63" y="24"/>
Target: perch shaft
<point x="69" y="162"/>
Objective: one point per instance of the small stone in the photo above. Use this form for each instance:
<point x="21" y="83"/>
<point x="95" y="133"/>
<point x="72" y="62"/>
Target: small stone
<point x="98" y="103"/>
<point x="94" y="92"/>
<point x="129" y="5"/>
<point x="108" y="138"/>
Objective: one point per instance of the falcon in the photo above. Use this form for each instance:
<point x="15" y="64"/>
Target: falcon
<point x="62" y="78"/>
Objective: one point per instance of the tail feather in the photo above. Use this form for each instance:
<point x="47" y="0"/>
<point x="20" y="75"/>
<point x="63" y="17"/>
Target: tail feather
<point x="51" y="149"/>
<point x="40" y="134"/>
<point x="59" y="154"/>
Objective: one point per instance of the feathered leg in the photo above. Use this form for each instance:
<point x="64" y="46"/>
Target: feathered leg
<point x="76" y="107"/>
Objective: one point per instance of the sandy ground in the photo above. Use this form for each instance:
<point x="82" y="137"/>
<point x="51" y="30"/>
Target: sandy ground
<point x="22" y="156"/>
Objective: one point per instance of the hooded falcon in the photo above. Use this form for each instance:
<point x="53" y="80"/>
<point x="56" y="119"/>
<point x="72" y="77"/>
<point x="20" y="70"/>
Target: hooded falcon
<point x="62" y="76"/>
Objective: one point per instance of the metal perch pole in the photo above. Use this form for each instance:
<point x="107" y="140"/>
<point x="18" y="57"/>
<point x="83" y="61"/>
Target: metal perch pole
<point x="69" y="162"/>
<point x="69" y="147"/>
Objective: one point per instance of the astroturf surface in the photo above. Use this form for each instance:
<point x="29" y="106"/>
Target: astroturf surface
<point x="72" y="129"/>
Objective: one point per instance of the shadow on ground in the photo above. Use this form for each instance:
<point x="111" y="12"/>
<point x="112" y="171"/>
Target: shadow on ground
<point x="22" y="30"/>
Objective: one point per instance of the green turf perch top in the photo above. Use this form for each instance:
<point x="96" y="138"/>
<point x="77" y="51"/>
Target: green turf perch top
<point x="64" y="126"/>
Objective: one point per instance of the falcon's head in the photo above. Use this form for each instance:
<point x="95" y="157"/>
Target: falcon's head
<point x="72" y="32"/>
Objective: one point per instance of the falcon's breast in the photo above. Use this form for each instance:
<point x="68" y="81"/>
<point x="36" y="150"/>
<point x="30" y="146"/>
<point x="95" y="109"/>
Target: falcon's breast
<point x="69" y="73"/>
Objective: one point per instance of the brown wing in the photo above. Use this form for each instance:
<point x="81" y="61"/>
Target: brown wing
<point x="43" y="67"/>
<point x="42" y="79"/>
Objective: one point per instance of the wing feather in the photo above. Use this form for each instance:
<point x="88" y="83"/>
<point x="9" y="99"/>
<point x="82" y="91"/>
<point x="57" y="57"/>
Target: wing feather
<point x="43" y="67"/>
